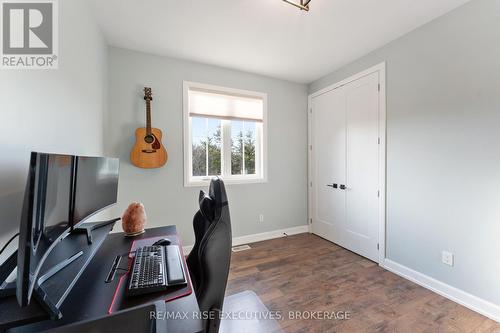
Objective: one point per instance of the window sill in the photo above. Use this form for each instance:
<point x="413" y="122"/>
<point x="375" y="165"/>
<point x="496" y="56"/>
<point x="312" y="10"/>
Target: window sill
<point x="206" y="182"/>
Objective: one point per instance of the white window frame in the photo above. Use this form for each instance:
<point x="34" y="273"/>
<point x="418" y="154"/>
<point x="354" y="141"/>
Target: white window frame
<point x="262" y="158"/>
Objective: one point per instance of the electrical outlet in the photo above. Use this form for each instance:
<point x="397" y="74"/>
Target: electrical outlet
<point x="261" y="218"/>
<point x="447" y="258"/>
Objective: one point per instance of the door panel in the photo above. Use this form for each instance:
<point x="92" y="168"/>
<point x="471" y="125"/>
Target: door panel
<point x="328" y="140"/>
<point x="361" y="224"/>
<point x="344" y="135"/>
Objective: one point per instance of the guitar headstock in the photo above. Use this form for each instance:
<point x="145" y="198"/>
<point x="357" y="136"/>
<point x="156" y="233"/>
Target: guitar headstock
<point x="148" y="94"/>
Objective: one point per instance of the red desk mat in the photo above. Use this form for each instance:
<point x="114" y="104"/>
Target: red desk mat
<point x="121" y="301"/>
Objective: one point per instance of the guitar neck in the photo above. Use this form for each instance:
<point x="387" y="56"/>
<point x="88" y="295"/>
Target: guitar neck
<point x="148" y="117"/>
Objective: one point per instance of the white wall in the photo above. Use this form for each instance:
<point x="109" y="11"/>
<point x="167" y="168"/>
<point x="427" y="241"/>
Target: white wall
<point x="52" y="110"/>
<point x="283" y="200"/>
<point x="443" y="136"/>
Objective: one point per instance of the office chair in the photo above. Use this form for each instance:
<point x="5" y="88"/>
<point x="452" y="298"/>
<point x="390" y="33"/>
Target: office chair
<point x="209" y="260"/>
<point x="138" y="319"/>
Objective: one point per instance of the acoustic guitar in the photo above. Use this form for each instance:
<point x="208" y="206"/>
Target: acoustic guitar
<point x="148" y="151"/>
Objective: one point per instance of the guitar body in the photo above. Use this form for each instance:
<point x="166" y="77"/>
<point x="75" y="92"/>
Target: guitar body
<point x="148" y="151"/>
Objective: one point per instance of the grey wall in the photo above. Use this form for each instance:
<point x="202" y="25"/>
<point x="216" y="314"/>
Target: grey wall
<point x="283" y="200"/>
<point x="443" y="136"/>
<point x="52" y="110"/>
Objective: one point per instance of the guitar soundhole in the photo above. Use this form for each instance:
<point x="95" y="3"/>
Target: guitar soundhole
<point x="149" y="139"/>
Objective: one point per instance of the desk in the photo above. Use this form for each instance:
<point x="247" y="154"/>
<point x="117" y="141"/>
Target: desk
<point x="91" y="296"/>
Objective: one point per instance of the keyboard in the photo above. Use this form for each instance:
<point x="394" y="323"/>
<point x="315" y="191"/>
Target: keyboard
<point x="155" y="268"/>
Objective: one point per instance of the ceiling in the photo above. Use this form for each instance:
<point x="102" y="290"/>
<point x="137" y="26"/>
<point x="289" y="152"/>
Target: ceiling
<point x="267" y="37"/>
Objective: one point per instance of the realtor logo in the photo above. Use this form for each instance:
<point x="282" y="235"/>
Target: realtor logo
<point x="29" y="34"/>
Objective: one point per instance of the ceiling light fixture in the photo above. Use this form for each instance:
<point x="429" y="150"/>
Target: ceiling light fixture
<point x="303" y="5"/>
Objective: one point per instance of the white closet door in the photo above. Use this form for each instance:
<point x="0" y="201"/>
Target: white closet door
<point x="345" y="133"/>
<point x="328" y="164"/>
<point x="362" y="209"/>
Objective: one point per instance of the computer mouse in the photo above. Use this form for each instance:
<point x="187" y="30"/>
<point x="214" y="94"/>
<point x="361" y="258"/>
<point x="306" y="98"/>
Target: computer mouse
<point x="163" y="241"/>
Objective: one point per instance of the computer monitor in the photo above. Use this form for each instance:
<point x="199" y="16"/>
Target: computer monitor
<point x="62" y="191"/>
<point x="96" y="186"/>
<point x="45" y="217"/>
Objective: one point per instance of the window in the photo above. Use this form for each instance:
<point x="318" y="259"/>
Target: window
<point x="224" y="134"/>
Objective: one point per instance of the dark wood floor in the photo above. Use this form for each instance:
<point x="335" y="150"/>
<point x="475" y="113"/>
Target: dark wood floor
<point x="307" y="273"/>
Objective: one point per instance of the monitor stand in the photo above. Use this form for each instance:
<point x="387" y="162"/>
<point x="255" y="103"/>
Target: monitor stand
<point x="88" y="228"/>
<point x="41" y="294"/>
<point x="54" y="270"/>
<point x="44" y="292"/>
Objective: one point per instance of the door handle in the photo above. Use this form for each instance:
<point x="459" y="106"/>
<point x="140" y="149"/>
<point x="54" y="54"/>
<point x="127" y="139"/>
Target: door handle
<point x="343" y="187"/>
<point x="333" y="185"/>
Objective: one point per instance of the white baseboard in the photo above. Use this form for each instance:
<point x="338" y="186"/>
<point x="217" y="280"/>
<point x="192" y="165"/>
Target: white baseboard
<point x="269" y="235"/>
<point x="470" y="301"/>
<point x="261" y="237"/>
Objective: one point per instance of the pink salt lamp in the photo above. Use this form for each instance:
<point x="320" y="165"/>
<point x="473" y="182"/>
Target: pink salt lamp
<point x="134" y="219"/>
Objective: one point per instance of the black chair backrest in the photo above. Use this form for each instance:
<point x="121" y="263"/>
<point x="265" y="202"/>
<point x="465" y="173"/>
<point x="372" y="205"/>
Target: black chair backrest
<point x="138" y="319"/>
<point x="210" y="257"/>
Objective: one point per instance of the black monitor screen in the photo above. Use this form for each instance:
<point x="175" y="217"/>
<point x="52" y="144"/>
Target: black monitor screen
<point x="96" y="186"/>
<point x="52" y="198"/>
